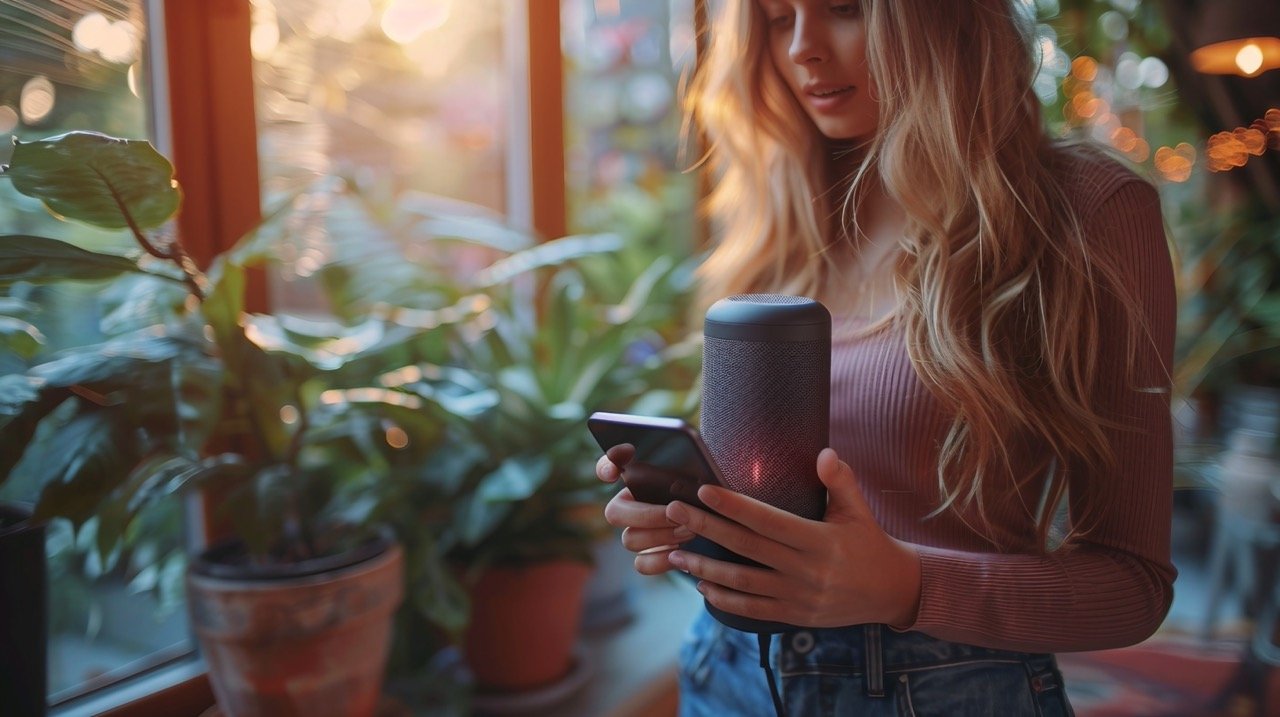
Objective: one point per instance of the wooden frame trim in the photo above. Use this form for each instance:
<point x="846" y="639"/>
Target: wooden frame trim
<point x="546" y="119"/>
<point x="213" y="125"/>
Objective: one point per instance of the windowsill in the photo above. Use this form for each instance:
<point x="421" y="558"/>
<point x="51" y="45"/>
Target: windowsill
<point x="132" y="690"/>
<point x="633" y="666"/>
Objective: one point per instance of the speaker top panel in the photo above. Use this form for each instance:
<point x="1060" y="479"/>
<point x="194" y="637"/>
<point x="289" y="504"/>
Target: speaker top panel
<point x="768" y="317"/>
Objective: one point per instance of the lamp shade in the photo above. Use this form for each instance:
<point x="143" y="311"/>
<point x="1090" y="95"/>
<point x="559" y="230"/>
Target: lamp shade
<point x="1237" y="37"/>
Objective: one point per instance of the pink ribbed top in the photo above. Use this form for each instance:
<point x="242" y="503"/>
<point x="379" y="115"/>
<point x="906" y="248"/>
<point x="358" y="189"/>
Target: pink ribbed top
<point x="1108" y="587"/>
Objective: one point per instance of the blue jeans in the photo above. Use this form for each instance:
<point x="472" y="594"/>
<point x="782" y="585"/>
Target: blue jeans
<point x="863" y="670"/>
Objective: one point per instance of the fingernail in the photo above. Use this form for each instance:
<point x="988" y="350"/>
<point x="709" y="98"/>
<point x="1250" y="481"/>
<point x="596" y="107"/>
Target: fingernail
<point x="709" y="496"/>
<point x="702" y="587"/>
<point x="676" y="558"/>
<point x="682" y="532"/>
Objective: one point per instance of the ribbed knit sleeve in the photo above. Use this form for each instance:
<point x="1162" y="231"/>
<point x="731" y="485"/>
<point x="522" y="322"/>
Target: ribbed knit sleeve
<point x="1110" y="584"/>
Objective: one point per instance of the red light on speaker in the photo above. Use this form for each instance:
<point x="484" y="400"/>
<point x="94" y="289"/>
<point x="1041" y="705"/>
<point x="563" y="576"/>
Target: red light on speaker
<point x="755" y="472"/>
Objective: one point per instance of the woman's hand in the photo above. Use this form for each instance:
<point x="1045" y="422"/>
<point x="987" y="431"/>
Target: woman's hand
<point x="843" y="570"/>
<point x="646" y="530"/>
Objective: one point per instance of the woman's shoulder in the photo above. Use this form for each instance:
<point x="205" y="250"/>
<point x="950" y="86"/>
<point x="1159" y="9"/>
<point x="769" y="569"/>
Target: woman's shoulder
<point x="1091" y="177"/>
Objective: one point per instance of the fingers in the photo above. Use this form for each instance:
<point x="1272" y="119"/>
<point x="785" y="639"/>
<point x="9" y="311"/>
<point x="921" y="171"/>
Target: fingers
<point x="733" y="537"/>
<point x="640" y="539"/>
<point x="624" y="511"/>
<point x="787" y="528"/>
<point x="741" y="578"/>
<point x="607" y="470"/>
<point x="654" y="562"/>
<point x="751" y="606"/>
<point x="845" y="500"/>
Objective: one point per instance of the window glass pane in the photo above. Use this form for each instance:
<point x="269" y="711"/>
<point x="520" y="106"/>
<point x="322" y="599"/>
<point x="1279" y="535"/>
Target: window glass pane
<point x="624" y="60"/>
<point x="80" y="65"/>
<point x="405" y="97"/>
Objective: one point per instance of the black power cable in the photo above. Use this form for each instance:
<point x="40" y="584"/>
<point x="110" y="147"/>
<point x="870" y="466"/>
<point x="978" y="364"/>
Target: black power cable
<point x="764" y="638"/>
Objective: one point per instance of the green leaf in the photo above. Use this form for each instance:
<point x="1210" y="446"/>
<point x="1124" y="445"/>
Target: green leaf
<point x="96" y="179"/>
<point x="515" y="479"/>
<point x="224" y="304"/>
<point x="21" y="411"/>
<point x="477" y="230"/>
<point x="326" y="346"/>
<point x="95" y="452"/>
<point x="41" y="260"/>
<point x="552" y="253"/>
<point x="197" y="388"/>
<point x="10" y="306"/>
<point x="121" y="356"/>
<point x="20" y="337"/>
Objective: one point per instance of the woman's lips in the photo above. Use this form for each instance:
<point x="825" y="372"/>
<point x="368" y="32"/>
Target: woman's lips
<point x="829" y="98"/>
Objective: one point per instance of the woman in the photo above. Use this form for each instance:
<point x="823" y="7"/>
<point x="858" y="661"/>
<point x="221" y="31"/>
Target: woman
<point x="1003" y="329"/>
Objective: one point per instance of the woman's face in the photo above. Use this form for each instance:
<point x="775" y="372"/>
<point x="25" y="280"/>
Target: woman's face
<point x="820" y="49"/>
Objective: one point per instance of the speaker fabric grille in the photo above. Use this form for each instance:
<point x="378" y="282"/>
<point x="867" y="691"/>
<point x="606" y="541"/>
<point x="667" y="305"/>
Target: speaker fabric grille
<point x="765" y="412"/>
<point x="771" y="299"/>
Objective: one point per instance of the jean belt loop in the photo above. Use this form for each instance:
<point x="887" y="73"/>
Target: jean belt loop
<point x="874" y="674"/>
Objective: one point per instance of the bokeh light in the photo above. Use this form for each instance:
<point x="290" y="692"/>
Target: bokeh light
<point x="37" y="99"/>
<point x="1084" y="68"/>
<point x="90" y="31"/>
<point x="265" y="35"/>
<point x="132" y="77"/>
<point x="8" y="119"/>
<point x="1175" y="163"/>
<point x="396" y="437"/>
<point x="1249" y="59"/>
<point x="406" y="20"/>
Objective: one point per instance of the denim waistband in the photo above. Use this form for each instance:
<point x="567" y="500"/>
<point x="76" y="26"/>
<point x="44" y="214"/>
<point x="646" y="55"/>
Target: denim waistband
<point x="846" y="670"/>
<point x="876" y="649"/>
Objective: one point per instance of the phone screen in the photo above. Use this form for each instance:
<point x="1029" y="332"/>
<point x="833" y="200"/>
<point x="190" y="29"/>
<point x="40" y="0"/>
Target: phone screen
<point x="659" y="463"/>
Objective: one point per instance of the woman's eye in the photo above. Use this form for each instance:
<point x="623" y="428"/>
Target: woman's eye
<point x="846" y="9"/>
<point x="780" y="21"/>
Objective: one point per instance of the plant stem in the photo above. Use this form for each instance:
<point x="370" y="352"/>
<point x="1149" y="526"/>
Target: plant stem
<point x="192" y="276"/>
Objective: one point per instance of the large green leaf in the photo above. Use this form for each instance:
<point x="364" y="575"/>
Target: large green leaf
<point x="95" y="457"/>
<point x="96" y="179"/>
<point x="40" y="260"/>
<point x="121" y="356"/>
<point x="22" y="409"/>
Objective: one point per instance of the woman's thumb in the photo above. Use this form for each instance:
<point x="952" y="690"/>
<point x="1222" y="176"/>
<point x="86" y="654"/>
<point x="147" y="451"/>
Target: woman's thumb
<point x="844" y="495"/>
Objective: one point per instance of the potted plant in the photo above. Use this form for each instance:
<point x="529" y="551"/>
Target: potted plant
<point x="197" y="392"/>
<point x="513" y="509"/>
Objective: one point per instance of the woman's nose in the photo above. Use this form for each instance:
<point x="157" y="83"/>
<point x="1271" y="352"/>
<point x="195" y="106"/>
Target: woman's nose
<point x="807" y="44"/>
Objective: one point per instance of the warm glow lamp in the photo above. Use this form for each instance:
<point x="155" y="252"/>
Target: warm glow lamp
<point x="1238" y="37"/>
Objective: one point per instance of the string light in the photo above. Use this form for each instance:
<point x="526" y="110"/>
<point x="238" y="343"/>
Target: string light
<point x="1224" y="151"/>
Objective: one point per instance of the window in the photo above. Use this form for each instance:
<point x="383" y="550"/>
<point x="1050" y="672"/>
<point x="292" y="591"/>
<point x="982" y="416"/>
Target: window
<point x="624" y="62"/>
<point x="409" y="98"/>
<point x="74" y="65"/>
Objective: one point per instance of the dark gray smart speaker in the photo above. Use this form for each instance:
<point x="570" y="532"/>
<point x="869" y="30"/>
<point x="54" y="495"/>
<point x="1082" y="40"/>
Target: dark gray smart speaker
<point x="766" y="397"/>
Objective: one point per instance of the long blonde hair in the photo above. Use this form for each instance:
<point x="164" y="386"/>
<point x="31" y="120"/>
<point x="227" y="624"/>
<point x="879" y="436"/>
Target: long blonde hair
<point x="997" y="294"/>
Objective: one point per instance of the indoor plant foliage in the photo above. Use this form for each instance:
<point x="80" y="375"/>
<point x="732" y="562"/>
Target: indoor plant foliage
<point x="571" y="325"/>
<point x="190" y="389"/>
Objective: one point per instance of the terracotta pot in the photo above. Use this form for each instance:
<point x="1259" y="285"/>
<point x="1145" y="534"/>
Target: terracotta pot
<point x="308" y="645"/>
<point x="524" y="624"/>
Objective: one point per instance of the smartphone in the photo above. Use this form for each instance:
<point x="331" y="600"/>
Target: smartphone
<point x="661" y="459"/>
